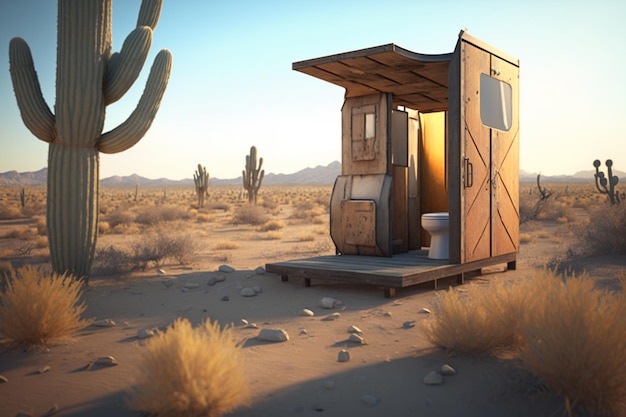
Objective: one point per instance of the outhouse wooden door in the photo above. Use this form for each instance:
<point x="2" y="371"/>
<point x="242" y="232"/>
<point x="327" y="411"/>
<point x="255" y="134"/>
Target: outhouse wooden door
<point x="490" y="155"/>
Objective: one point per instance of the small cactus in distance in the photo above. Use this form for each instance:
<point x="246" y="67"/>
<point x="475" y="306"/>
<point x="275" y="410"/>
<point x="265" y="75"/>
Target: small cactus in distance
<point x="201" y="178"/>
<point x="253" y="175"/>
<point x="610" y="180"/>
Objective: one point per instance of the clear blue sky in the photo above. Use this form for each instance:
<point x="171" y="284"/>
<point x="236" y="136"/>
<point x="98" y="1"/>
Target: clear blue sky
<point x="232" y="85"/>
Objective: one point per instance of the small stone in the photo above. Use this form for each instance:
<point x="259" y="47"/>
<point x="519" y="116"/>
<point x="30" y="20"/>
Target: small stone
<point x="226" y="268"/>
<point x="44" y="369"/>
<point x="424" y="310"/>
<point x="329" y="384"/>
<point x="433" y="378"/>
<point x="344" y="356"/>
<point x="251" y="326"/>
<point x="106" y="361"/>
<point x="191" y="285"/>
<point x="387" y="314"/>
<point x="103" y="323"/>
<point x="257" y="289"/>
<point x="307" y="312"/>
<point x="144" y="333"/>
<point x="260" y="270"/>
<point x="225" y="298"/>
<point x="332" y="317"/>
<point x="212" y="281"/>
<point x="447" y="370"/>
<point x="355" y="338"/>
<point x="52" y="410"/>
<point x="168" y="282"/>
<point x="247" y="292"/>
<point x="369" y="399"/>
<point x="3" y="379"/>
<point x="273" y="335"/>
<point x="161" y="271"/>
<point x="354" y="329"/>
<point x="304" y="332"/>
<point x="408" y="324"/>
<point x="243" y="322"/>
<point x="220" y="278"/>
<point x="328" y="302"/>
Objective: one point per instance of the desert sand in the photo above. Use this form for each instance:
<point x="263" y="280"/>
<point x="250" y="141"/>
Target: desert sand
<point x="299" y="377"/>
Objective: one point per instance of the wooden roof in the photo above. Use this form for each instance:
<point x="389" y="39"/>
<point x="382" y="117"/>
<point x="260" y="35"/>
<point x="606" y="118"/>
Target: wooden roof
<point x="417" y="81"/>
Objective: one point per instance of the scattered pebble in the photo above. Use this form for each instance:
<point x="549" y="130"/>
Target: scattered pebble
<point x="191" y="285"/>
<point x="225" y="298"/>
<point x="387" y="314"/>
<point x="447" y="370"/>
<point x="257" y="289"/>
<point x="354" y="329"/>
<point x="328" y="302"/>
<point x="212" y="281"/>
<point x="304" y="332"/>
<point x="251" y="326"/>
<point x="144" y="333"/>
<point x="161" y="271"/>
<point x="52" y="410"/>
<point x="307" y="312"/>
<point x="3" y="379"/>
<point x="220" y="278"/>
<point x="168" y="282"/>
<point x="332" y="317"/>
<point x="106" y="361"/>
<point x="44" y="369"/>
<point x="226" y="268"/>
<point x="433" y="378"/>
<point x="103" y="323"/>
<point x="243" y="322"/>
<point x="344" y="356"/>
<point x="408" y="324"/>
<point x="259" y="270"/>
<point x="355" y="338"/>
<point x="424" y="310"/>
<point x="273" y="335"/>
<point x="369" y="399"/>
<point x="247" y="292"/>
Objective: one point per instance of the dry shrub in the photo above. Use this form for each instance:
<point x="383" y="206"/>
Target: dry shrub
<point x="250" y="214"/>
<point x="120" y="217"/>
<point x="160" y="246"/>
<point x="575" y="341"/>
<point x="204" y="218"/>
<point x="190" y="372"/>
<point x="40" y="308"/>
<point x="112" y="260"/>
<point x="226" y="246"/>
<point x="306" y="237"/>
<point x="155" y="215"/>
<point x="218" y="206"/>
<point x="8" y="212"/>
<point x="605" y="233"/>
<point x="273" y="235"/>
<point x="478" y="319"/>
<point x="272" y="225"/>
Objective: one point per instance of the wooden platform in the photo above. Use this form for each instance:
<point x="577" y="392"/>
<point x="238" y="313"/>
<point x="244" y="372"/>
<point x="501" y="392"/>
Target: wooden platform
<point x="399" y="271"/>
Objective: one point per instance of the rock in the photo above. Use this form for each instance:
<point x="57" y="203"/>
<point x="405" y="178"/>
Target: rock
<point x="247" y="292"/>
<point x="424" y="310"/>
<point x="144" y="333"/>
<point x="273" y="335"/>
<point x="226" y="268"/>
<point x="344" y="356"/>
<point x="355" y="338"/>
<point x="332" y="317"/>
<point x="212" y="281"/>
<point x="260" y="270"/>
<point x="52" y="410"/>
<point x="307" y="312"/>
<point x="304" y="332"/>
<point x="433" y="378"/>
<point x="328" y="302"/>
<point x="103" y="323"/>
<point x="408" y="324"/>
<point x="106" y="361"/>
<point x="168" y="282"/>
<point x="161" y="271"/>
<point x="257" y="289"/>
<point x="387" y="314"/>
<point x="243" y="322"/>
<point x="191" y="285"/>
<point x="354" y="329"/>
<point x="220" y="278"/>
<point x="43" y="369"/>
<point x="251" y="326"/>
<point x="3" y="379"/>
<point x="447" y="370"/>
<point x="225" y="298"/>
<point x="369" y="399"/>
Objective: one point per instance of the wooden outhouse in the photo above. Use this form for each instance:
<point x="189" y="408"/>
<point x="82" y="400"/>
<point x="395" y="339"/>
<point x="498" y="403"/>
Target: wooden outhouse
<point x="420" y="134"/>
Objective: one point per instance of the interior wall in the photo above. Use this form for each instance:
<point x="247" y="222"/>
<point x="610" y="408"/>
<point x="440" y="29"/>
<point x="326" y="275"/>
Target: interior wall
<point x="432" y="166"/>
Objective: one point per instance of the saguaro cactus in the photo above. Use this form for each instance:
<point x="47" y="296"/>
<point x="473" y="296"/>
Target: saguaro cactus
<point x="201" y="178"/>
<point x="89" y="77"/>
<point x="252" y="175"/>
<point x="610" y="180"/>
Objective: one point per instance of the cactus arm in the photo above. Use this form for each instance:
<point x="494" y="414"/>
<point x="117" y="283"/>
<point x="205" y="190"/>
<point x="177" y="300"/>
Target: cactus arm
<point x="124" y="67"/>
<point x="35" y="112"/>
<point x="132" y="130"/>
<point x="149" y="13"/>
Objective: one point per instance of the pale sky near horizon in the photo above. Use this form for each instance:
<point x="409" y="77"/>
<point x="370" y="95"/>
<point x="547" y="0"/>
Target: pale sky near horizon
<point x="232" y="85"/>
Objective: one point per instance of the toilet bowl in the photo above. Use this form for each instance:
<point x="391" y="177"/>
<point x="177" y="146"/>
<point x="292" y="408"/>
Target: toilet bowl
<point x="436" y="224"/>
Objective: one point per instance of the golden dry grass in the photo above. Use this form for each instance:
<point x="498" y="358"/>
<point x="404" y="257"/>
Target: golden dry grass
<point x="190" y="372"/>
<point x="40" y="308"/>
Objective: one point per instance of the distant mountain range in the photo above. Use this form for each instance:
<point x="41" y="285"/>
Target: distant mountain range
<point x="320" y="175"/>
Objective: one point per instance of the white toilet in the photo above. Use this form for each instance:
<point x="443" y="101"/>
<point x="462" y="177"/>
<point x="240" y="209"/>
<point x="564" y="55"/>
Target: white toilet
<point x="437" y="224"/>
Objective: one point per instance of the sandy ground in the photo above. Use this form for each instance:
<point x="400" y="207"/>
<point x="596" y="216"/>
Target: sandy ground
<point x="300" y="377"/>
